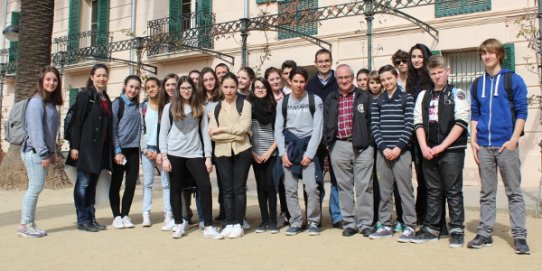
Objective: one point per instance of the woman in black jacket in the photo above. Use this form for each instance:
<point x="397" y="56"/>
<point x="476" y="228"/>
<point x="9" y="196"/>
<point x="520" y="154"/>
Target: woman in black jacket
<point x="91" y="145"/>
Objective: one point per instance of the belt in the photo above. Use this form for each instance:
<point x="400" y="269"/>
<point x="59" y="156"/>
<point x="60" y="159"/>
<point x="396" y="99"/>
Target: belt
<point x="347" y="139"/>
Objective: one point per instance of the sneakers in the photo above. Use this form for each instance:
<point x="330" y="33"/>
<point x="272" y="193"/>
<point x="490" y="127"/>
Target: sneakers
<point x="423" y="236"/>
<point x="42" y="232"/>
<point x="366" y="232"/>
<point x="283" y="219"/>
<point x="246" y="226"/>
<point x="236" y="232"/>
<point x="169" y="223"/>
<point x="261" y="228"/>
<point x="274" y="229"/>
<point x="178" y="231"/>
<point x="383" y="232"/>
<point x="210" y="232"/>
<point x="521" y="247"/>
<point x="456" y="239"/>
<point x="28" y="231"/>
<point x="224" y="233"/>
<point x="127" y="222"/>
<point x="399" y="227"/>
<point x="407" y="235"/>
<point x="313" y="229"/>
<point x="201" y="226"/>
<point x="117" y="223"/>
<point x="293" y="231"/>
<point x="146" y="219"/>
<point x="185" y="225"/>
<point x="480" y="241"/>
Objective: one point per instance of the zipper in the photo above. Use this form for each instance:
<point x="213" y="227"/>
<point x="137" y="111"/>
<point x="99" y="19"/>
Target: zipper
<point x="490" y="112"/>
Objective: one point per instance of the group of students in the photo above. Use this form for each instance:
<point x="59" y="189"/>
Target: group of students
<point x="289" y="127"/>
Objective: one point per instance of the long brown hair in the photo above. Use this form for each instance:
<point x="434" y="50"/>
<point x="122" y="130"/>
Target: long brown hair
<point x="217" y="93"/>
<point x="56" y="96"/>
<point x="163" y="98"/>
<point x="177" y="104"/>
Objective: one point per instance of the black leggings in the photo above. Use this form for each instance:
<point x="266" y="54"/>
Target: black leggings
<point x="267" y="194"/>
<point x="233" y="172"/>
<point x="132" y="171"/>
<point x="182" y="171"/>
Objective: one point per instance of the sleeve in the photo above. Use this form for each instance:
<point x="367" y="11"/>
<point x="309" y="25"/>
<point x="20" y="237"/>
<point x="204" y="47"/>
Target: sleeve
<point x="164" y="130"/>
<point x="327" y="140"/>
<point x="406" y="135"/>
<point x="81" y="101"/>
<point x="116" y="139"/>
<point x="519" y="90"/>
<point x="35" y="126"/>
<point x="279" y="129"/>
<point x="418" y="116"/>
<point x="318" y="126"/>
<point x="474" y="105"/>
<point x="204" y="128"/>
<point x="461" y="109"/>
<point x="375" y="125"/>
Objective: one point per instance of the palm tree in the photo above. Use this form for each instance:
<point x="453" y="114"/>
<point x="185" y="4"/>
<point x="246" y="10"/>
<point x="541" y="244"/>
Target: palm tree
<point x="34" y="52"/>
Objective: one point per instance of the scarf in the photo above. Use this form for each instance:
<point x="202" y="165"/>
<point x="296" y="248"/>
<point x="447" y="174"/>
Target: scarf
<point x="262" y="111"/>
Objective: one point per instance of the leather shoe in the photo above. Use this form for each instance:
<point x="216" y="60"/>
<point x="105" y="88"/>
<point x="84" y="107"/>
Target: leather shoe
<point x="98" y="226"/>
<point x="87" y="227"/>
<point x="338" y="224"/>
<point x="349" y="232"/>
<point x="366" y="232"/>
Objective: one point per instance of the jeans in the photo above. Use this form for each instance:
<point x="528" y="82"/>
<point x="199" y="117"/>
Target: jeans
<point x="148" y="181"/>
<point x="233" y="172"/>
<point x="36" y="181"/>
<point x="84" y="196"/>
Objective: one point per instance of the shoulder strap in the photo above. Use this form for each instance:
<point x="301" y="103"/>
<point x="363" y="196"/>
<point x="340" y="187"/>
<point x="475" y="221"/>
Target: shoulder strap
<point x="285" y="107"/>
<point x="312" y="107"/>
<point x="509" y="91"/>
<point x="170" y="120"/>
<point x="120" y="113"/>
<point x="217" y="111"/>
<point x="239" y="105"/>
<point x="474" y="90"/>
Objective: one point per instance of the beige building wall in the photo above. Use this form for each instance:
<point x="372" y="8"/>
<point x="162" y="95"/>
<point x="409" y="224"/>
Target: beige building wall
<point x="346" y="35"/>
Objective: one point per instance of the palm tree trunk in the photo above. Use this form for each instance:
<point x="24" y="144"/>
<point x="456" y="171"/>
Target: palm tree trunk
<point x="35" y="28"/>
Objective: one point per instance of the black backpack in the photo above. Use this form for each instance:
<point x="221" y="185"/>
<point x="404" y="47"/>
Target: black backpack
<point x="238" y="104"/>
<point x="72" y="111"/>
<point x="312" y="106"/>
<point x="509" y="92"/>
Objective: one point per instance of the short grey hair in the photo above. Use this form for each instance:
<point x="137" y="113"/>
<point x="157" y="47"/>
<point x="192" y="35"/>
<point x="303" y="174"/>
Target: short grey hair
<point x="346" y="66"/>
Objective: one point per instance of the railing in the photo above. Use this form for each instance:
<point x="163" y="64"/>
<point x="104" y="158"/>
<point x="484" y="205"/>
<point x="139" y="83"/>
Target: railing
<point x="465" y="67"/>
<point x="6" y="58"/>
<point x="86" y="44"/>
<point x="193" y="29"/>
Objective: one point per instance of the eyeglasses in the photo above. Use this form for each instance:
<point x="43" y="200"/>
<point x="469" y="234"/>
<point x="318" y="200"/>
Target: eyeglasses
<point x="346" y="77"/>
<point x="398" y="61"/>
<point x="186" y="89"/>
<point x="259" y="88"/>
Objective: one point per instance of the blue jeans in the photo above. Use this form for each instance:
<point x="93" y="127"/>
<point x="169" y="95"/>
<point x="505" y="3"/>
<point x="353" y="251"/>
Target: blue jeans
<point x="36" y="181"/>
<point x="148" y="181"/>
<point x="84" y="196"/>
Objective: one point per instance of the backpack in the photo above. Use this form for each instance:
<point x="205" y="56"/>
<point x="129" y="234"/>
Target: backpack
<point x="509" y="93"/>
<point x="70" y="116"/>
<point x="238" y="104"/>
<point x="15" y="127"/>
<point x="143" y="113"/>
<point x="120" y="113"/>
<point x="312" y="107"/>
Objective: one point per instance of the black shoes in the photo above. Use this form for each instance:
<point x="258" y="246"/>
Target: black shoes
<point x="366" y="232"/>
<point x="521" y="247"/>
<point x="338" y="225"/>
<point x="456" y="240"/>
<point x="480" y="242"/>
<point x="97" y="225"/>
<point x="349" y="232"/>
<point x="88" y="227"/>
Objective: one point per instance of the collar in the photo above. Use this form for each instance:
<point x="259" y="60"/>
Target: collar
<point x="126" y="100"/>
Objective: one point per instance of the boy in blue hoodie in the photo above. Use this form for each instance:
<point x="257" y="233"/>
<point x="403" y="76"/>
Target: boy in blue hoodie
<point x="497" y="124"/>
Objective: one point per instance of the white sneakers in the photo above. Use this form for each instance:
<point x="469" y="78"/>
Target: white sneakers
<point x="231" y="231"/>
<point x="127" y="222"/>
<point x="117" y="223"/>
<point x="169" y="223"/>
<point x="121" y="223"/>
<point x="178" y="231"/>
<point x="210" y="232"/>
<point x="146" y="219"/>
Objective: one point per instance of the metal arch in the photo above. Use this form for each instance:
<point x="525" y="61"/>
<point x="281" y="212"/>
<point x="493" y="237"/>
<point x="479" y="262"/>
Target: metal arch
<point x="426" y="27"/>
<point x="225" y="57"/>
<point x="319" y="42"/>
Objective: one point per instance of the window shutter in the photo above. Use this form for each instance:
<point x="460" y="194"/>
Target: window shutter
<point x="103" y="27"/>
<point x="74" y="22"/>
<point x="445" y="8"/>
<point x="265" y="1"/>
<point x="436" y="53"/>
<point x="205" y="22"/>
<point x="509" y="57"/>
<point x="12" y="56"/>
<point x="308" y="28"/>
<point x="174" y="14"/>
<point x="73" y="95"/>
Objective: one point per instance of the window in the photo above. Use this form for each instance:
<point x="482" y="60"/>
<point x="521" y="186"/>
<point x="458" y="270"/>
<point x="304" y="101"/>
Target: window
<point x="265" y="1"/>
<point x="465" y="66"/>
<point x="445" y="8"/>
<point x="296" y="7"/>
<point x="13" y="45"/>
<point x="180" y="15"/>
<point x="93" y="21"/>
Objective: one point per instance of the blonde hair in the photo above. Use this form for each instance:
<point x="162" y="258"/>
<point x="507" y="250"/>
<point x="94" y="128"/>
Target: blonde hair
<point x="436" y="62"/>
<point x="492" y="46"/>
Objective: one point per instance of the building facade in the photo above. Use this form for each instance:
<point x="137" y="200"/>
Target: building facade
<point x="158" y="37"/>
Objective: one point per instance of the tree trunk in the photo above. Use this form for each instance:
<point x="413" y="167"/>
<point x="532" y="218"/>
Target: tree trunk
<point x="34" y="52"/>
